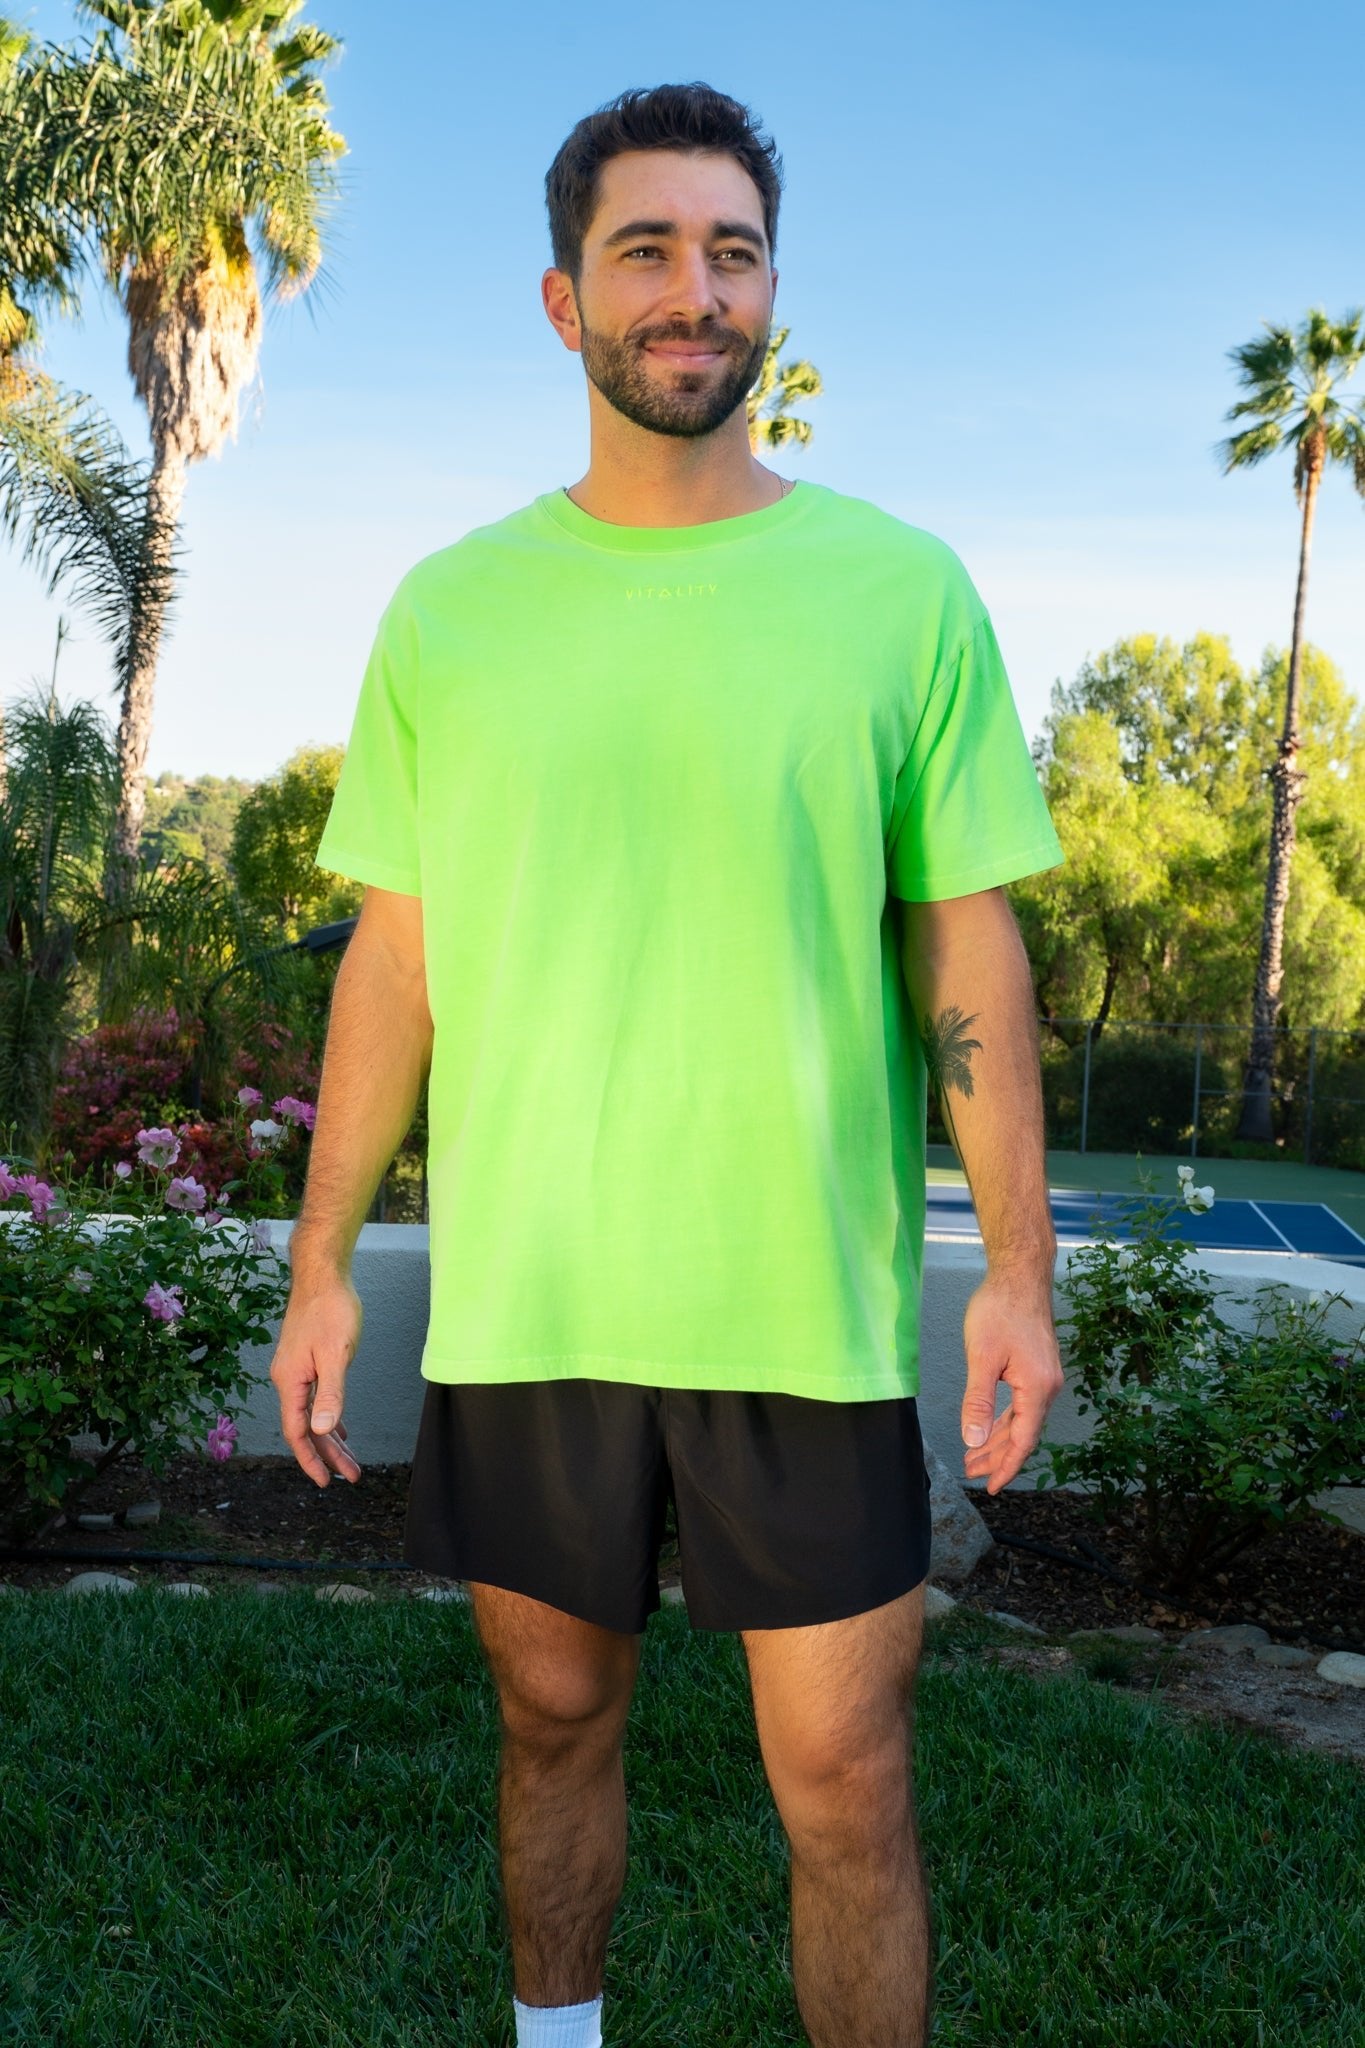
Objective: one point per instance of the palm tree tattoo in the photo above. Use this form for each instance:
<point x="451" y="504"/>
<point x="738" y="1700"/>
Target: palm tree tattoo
<point x="948" y="1059"/>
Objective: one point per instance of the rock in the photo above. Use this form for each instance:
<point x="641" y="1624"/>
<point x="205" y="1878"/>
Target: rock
<point x="5" y="1587"/>
<point x="1342" y="1667"/>
<point x="100" y="1582"/>
<point x="672" y="1596"/>
<point x="1283" y="1655"/>
<point x="185" y="1586"/>
<point x="141" y="1513"/>
<point x="960" y="1536"/>
<point x="442" y="1593"/>
<point x="1124" y="1632"/>
<point x="340" y="1590"/>
<point x="266" y="1586"/>
<point x="94" y="1521"/>
<point x="1232" y="1640"/>
<point x="1013" y="1621"/>
<point x="937" y="1603"/>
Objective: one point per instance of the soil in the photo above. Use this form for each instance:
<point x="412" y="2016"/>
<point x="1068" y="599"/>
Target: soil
<point x="1303" y="1584"/>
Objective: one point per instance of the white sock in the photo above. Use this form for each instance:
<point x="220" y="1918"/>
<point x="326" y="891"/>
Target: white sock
<point x="559" y="2026"/>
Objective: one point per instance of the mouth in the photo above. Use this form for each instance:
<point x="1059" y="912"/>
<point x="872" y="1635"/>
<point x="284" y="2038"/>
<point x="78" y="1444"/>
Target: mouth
<point x="684" y="355"/>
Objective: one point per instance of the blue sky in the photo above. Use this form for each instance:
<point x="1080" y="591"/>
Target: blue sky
<point x="1017" y="243"/>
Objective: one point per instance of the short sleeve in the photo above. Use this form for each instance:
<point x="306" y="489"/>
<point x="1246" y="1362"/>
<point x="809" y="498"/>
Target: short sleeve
<point x="968" y="812"/>
<point x="371" y="830"/>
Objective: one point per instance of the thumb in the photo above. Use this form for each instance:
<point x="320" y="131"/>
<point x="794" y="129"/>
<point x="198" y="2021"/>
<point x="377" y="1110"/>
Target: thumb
<point x="327" y="1406"/>
<point x="978" y="1415"/>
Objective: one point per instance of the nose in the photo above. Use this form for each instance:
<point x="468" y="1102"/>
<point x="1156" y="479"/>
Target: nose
<point x="692" y="293"/>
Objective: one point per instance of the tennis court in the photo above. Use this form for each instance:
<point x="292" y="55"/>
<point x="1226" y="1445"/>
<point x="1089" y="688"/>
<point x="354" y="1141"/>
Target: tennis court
<point x="1308" y="1229"/>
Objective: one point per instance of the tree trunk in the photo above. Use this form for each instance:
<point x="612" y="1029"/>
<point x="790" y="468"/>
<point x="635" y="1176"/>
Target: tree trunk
<point x="1287" y="782"/>
<point x="165" y="490"/>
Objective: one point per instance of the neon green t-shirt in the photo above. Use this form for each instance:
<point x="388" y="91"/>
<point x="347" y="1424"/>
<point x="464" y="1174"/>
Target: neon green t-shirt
<point x="654" y="786"/>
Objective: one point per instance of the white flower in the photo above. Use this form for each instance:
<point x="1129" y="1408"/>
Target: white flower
<point x="1314" y="1298"/>
<point x="260" y="1234"/>
<point x="266" y="1130"/>
<point x="1125" y="1260"/>
<point x="80" y="1279"/>
<point x="1184" y="1173"/>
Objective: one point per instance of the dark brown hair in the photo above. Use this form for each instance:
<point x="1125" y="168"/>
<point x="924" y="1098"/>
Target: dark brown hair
<point x="664" y="117"/>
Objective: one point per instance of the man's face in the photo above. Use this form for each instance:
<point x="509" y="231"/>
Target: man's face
<point x="676" y="254"/>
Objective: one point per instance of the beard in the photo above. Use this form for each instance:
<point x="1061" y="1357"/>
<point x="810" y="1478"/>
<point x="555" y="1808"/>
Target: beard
<point x="682" y="402"/>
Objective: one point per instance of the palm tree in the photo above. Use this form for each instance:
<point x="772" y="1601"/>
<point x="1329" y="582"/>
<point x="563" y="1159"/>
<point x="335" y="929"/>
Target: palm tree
<point x="1292" y="380"/>
<point x="185" y="124"/>
<point x="775" y="390"/>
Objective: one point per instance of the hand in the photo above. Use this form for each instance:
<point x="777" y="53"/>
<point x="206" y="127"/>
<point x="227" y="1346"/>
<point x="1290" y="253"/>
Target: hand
<point x="318" y="1340"/>
<point x="1009" y="1335"/>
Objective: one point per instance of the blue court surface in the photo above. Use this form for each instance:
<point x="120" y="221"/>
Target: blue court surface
<point x="1229" y="1226"/>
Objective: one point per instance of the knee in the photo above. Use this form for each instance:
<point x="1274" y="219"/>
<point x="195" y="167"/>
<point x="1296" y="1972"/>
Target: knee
<point x="834" y="1804"/>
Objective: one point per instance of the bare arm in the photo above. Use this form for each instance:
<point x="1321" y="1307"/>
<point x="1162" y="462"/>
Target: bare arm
<point x="968" y="978"/>
<point x="377" y="1055"/>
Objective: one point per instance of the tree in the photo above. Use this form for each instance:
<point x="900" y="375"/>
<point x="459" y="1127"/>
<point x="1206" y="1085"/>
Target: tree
<point x="1292" y="379"/>
<point x="770" y="423"/>
<point x="275" y="836"/>
<point x="186" y="127"/>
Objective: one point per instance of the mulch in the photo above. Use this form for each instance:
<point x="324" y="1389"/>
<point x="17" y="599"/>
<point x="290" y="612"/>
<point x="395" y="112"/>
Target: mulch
<point x="1305" y="1584"/>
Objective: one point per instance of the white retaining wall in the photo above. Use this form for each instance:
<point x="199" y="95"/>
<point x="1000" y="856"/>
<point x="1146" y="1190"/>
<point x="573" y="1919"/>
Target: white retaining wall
<point x="385" y="1389"/>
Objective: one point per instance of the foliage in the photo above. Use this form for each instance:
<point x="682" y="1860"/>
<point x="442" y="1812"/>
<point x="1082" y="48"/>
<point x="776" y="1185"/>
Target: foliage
<point x="275" y="836"/>
<point x="126" y="1313"/>
<point x="771" y="424"/>
<point x="191" y="818"/>
<point x="1225" y="1434"/>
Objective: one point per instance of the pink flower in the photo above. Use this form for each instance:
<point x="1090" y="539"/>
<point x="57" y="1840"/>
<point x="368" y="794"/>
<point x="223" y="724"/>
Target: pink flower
<point x="9" y="1185"/>
<point x="158" y="1147"/>
<point x="213" y="1216"/>
<point x="38" y="1192"/>
<point x="122" y="1169"/>
<point x="162" y="1302"/>
<point x="186" y="1193"/>
<point x="296" y="1111"/>
<point x="221" y="1438"/>
<point x="249" y="1097"/>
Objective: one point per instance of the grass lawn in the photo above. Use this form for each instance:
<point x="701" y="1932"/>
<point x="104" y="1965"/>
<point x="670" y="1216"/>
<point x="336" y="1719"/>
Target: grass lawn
<point x="1274" y="1180"/>
<point x="271" y="1821"/>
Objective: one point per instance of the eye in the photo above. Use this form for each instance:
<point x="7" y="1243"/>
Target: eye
<point x="652" y="249"/>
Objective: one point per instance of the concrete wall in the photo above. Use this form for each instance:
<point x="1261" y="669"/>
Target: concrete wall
<point x="384" y="1387"/>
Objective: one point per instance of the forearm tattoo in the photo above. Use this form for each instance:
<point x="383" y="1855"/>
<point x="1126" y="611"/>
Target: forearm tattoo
<point x="948" y="1059"/>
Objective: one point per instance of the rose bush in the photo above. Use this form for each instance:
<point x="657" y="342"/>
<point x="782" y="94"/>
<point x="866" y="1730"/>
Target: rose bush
<point x="127" y="1307"/>
<point x="1225" y="1433"/>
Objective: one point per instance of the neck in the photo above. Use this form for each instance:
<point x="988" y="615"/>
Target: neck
<point x="693" y="483"/>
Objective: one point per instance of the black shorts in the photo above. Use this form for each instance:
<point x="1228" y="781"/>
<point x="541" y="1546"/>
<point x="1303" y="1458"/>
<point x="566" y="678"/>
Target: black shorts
<point x="789" y="1511"/>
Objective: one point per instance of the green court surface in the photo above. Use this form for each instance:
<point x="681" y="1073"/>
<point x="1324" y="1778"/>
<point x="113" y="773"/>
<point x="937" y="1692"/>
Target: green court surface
<point x="1256" y="1180"/>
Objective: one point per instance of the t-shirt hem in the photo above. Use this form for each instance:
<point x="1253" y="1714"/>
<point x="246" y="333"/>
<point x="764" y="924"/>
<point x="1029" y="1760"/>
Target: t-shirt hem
<point x="360" y="867"/>
<point x="1012" y="867"/>
<point x="648" y="1372"/>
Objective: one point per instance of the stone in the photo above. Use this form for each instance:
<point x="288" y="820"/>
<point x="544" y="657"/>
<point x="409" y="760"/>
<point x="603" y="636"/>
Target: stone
<point x="141" y="1513"/>
<point x="672" y="1596"/>
<point x="1232" y="1640"/>
<point x="1342" y="1667"/>
<point x="266" y="1586"/>
<point x="1282" y="1655"/>
<point x="1123" y="1632"/>
<point x="186" y="1586"/>
<point x="6" y="1587"/>
<point x="460" y="1593"/>
<point x="937" y="1603"/>
<point x="100" y="1582"/>
<point x="960" y="1536"/>
<point x="1014" y="1621"/>
<point x="94" y="1521"/>
<point x="341" y="1590"/>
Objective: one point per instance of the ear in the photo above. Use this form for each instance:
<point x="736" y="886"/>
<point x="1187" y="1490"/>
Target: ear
<point x="561" y="308"/>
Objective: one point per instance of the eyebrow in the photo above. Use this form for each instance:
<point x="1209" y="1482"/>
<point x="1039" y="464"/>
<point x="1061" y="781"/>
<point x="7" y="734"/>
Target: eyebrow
<point x="721" y="230"/>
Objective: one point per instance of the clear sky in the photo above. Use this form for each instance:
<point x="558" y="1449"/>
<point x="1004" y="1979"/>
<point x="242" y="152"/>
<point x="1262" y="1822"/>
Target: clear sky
<point x="1016" y="242"/>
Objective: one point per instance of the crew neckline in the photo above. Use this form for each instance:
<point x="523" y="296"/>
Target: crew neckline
<point x="675" y="540"/>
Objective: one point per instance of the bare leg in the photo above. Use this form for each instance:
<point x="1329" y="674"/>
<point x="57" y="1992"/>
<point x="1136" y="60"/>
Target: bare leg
<point x="832" y="1707"/>
<point x="564" y="1692"/>
<point x="562" y="1848"/>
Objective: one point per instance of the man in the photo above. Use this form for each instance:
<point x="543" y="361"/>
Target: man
<point x="679" y="796"/>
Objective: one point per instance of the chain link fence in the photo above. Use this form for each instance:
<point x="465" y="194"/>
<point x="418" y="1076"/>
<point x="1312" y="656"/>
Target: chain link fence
<point x="1177" y="1088"/>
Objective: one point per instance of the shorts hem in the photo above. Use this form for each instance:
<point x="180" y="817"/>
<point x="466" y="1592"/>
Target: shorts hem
<point x="654" y="1373"/>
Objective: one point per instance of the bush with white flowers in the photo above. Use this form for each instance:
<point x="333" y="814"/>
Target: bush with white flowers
<point x="1215" y="1435"/>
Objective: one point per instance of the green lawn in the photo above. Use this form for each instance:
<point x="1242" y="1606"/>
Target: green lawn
<point x="272" y="1822"/>
<point x="1255" y="1179"/>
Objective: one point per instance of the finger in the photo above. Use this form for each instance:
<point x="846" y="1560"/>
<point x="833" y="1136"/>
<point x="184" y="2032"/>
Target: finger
<point x="294" y="1396"/>
<point x="338" y="1457"/>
